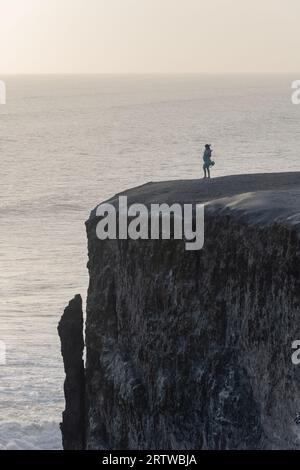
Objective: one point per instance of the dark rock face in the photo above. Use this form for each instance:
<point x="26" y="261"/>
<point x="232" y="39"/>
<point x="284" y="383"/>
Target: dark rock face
<point x="70" y="330"/>
<point x="192" y="350"/>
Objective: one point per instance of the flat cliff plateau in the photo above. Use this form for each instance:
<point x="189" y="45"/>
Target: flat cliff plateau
<point x="192" y="349"/>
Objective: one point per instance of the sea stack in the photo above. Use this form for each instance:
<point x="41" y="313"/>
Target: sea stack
<point x="192" y="350"/>
<point x="70" y="330"/>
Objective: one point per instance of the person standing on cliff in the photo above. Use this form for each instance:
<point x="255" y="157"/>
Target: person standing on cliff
<point x="207" y="161"/>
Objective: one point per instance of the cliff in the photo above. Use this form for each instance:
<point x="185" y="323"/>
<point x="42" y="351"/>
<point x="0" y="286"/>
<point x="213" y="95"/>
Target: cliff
<point x="192" y="350"/>
<point x="70" y="330"/>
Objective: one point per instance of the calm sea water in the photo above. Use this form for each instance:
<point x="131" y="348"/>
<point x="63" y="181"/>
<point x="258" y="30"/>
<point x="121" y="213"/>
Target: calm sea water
<point x="66" y="143"/>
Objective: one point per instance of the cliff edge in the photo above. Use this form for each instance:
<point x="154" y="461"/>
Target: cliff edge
<point x="192" y="349"/>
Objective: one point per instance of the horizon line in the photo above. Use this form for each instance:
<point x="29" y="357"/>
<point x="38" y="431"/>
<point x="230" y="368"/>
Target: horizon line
<point x="143" y="73"/>
<point x="151" y="73"/>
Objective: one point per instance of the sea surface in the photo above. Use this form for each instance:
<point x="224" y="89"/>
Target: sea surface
<point x="69" y="142"/>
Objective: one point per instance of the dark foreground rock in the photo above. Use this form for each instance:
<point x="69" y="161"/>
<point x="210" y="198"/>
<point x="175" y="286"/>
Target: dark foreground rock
<point x="192" y="350"/>
<point x="70" y="330"/>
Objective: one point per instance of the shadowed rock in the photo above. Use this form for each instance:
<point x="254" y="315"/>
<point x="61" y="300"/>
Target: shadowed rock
<point x="70" y="330"/>
<point x="191" y="350"/>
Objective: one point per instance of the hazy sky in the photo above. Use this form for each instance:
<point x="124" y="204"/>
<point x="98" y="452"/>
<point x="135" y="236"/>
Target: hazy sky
<point x="164" y="36"/>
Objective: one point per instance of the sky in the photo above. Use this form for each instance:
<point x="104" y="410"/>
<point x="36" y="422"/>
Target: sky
<point x="149" y="36"/>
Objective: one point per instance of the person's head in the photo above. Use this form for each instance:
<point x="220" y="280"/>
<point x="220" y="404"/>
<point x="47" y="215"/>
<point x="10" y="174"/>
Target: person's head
<point x="207" y="146"/>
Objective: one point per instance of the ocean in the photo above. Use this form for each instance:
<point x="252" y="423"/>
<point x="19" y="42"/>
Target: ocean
<point x="69" y="142"/>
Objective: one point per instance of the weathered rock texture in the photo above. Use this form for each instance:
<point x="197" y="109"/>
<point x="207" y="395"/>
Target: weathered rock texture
<point x="70" y="330"/>
<point x="192" y="350"/>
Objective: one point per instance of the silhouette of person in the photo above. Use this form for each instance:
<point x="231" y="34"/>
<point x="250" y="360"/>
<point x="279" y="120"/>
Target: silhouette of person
<point x="207" y="161"/>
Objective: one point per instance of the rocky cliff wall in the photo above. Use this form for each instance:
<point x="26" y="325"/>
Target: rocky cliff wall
<point x="192" y="350"/>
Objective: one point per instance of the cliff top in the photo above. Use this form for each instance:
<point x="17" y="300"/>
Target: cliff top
<point x="200" y="190"/>
<point x="256" y="198"/>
